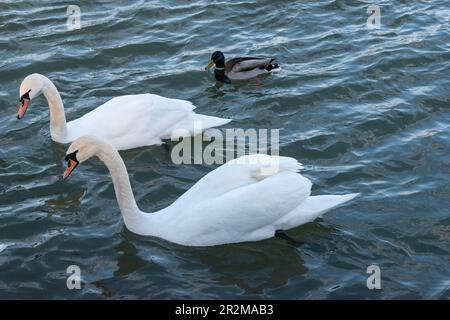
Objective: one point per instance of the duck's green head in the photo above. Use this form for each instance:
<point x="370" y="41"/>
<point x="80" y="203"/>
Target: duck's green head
<point x="218" y="59"/>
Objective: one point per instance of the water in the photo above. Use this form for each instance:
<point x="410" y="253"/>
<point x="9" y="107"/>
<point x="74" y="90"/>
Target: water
<point x="365" y="110"/>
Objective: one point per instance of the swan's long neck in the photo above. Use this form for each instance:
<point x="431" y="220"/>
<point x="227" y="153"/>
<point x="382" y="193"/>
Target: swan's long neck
<point x="58" y="125"/>
<point x="136" y="221"/>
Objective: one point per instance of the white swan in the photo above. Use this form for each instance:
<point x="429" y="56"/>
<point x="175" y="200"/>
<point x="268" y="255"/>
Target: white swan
<point x="126" y="121"/>
<point x="242" y="200"/>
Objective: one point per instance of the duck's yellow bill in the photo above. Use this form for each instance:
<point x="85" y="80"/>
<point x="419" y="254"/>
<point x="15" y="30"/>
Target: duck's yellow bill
<point x="210" y="64"/>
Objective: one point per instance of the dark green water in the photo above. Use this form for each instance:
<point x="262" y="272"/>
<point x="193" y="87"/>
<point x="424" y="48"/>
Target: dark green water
<point x="365" y="110"/>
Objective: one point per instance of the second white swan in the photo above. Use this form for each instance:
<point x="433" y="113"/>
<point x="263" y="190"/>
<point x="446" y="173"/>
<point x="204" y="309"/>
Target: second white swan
<point x="126" y="122"/>
<point x="246" y="199"/>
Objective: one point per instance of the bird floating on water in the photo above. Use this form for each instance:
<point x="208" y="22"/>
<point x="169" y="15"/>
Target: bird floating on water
<point x="250" y="198"/>
<point x="127" y="122"/>
<point x="240" y="68"/>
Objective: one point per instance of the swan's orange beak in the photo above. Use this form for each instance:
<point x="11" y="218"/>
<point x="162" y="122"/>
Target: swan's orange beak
<point x="71" y="165"/>
<point x="23" y="105"/>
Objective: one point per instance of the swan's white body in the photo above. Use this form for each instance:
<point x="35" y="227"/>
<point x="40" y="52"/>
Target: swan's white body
<point x="237" y="202"/>
<point x="126" y="122"/>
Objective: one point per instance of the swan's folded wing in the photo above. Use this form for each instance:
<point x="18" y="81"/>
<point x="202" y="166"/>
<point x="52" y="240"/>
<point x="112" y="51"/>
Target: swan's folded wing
<point x="169" y="103"/>
<point x="246" y="213"/>
<point x="132" y="120"/>
<point x="238" y="173"/>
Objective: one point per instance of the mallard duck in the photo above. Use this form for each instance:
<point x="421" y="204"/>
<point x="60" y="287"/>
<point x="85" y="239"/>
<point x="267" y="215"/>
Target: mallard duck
<point x="240" y="68"/>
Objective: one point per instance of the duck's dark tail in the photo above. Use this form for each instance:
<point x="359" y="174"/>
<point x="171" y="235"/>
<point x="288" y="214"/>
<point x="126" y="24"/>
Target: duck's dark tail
<point x="272" y="66"/>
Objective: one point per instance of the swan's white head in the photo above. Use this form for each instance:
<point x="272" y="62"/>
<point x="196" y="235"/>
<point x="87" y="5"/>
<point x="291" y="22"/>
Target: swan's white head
<point x="31" y="87"/>
<point x="79" y="151"/>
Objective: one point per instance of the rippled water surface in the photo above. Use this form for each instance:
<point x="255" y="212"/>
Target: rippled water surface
<point x="365" y="110"/>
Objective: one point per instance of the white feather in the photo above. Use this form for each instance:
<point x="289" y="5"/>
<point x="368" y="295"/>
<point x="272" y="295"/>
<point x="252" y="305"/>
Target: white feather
<point x="126" y="122"/>
<point x="246" y="199"/>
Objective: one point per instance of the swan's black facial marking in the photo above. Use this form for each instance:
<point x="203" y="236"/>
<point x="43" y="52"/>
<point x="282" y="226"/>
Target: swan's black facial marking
<point x="23" y="106"/>
<point x="26" y="95"/>
<point x="71" y="156"/>
<point x="72" y="163"/>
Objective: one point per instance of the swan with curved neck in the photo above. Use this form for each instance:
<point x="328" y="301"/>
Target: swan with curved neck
<point x="239" y="201"/>
<point x="126" y="122"/>
<point x="34" y="85"/>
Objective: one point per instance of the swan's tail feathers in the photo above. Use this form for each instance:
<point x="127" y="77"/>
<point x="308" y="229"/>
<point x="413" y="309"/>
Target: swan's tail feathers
<point x="312" y="208"/>
<point x="206" y="122"/>
<point x="318" y="205"/>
